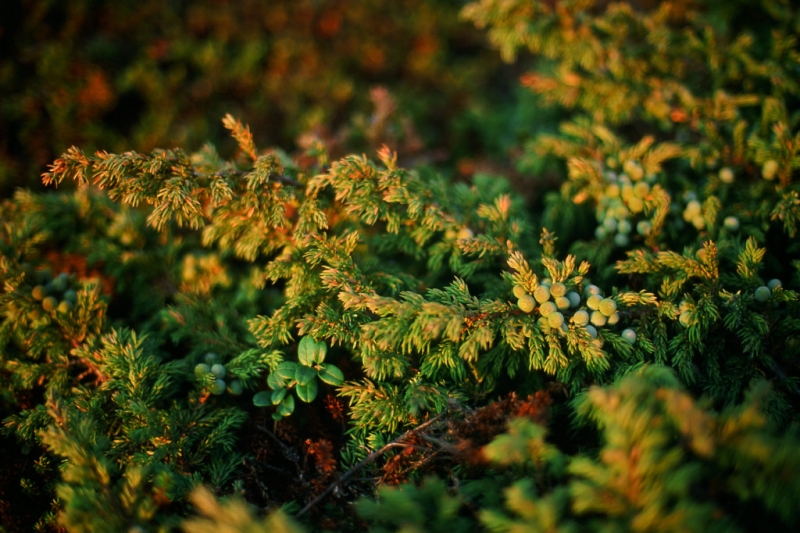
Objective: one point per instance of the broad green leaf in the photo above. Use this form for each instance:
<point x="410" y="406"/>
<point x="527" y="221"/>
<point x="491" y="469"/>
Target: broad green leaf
<point x="274" y="381"/>
<point x="311" y="352"/>
<point x="307" y="392"/>
<point x="330" y="374"/>
<point x="287" y="370"/>
<point x="262" y="399"/>
<point x="304" y="375"/>
<point x="278" y="395"/>
<point x="286" y="407"/>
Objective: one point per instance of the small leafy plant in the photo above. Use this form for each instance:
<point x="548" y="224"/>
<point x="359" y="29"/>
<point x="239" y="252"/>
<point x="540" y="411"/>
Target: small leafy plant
<point x="301" y="376"/>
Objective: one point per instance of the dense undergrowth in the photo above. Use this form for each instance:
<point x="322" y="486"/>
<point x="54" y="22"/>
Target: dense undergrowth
<point x="607" y="339"/>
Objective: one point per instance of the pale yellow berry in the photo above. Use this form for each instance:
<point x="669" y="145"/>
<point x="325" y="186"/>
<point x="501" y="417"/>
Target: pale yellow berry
<point x="465" y="233"/>
<point x="526" y="303"/>
<point x="770" y="169"/>
<point x="519" y="291"/>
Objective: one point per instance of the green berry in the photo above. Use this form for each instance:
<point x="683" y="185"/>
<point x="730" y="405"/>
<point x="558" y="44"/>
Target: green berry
<point x="762" y="293"/>
<point x="71" y="296"/>
<point x="580" y="318"/>
<point x="218" y="387"/>
<point x="574" y="299"/>
<point x="542" y="293"/>
<point x="629" y="335"/>
<point x="774" y="284"/>
<point x="621" y="240"/>
<point x="526" y="303"/>
<point x="599" y="233"/>
<point x="547" y="308"/>
<point x="211" y="358"/>
<point x="218" y="370"/>
<point x="49" y="304"/>
<point x="592" y="331"/>
<point x="44" y="275"/>
<point x="235" y="387"/>
<point x="643" y="227"/>
<point x="558" y="289"/>
<point x="201" y="370"/>
<point x="60" y="282"/>
<point x="519" y="291"/>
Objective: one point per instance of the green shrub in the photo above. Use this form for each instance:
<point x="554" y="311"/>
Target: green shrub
<point x="296" y="332"/>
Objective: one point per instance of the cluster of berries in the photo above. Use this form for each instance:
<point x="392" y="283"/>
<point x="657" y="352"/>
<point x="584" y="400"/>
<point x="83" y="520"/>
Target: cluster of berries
<point x="214" y="372"/>
<point x="622" y="204"/>
<point x="56" y="293"/>
<point x="769" y="170"/>
<point x="764" y="292"/>
<point x="554" y="301"/>
<point x="693" y="210"/>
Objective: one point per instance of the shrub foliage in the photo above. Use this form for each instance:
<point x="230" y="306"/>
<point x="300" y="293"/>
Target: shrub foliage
<point x="190" y="342"/>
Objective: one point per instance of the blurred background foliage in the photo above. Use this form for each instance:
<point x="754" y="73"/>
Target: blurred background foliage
<point x="122" y="76"/>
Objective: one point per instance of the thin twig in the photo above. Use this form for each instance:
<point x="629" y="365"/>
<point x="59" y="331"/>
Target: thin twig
<point x="257" y="480"/>
<point x="368" y="459"/>
<point x="442" y="444"/>
<point x="288" y="452"/>
<point x="416" y="465"/>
